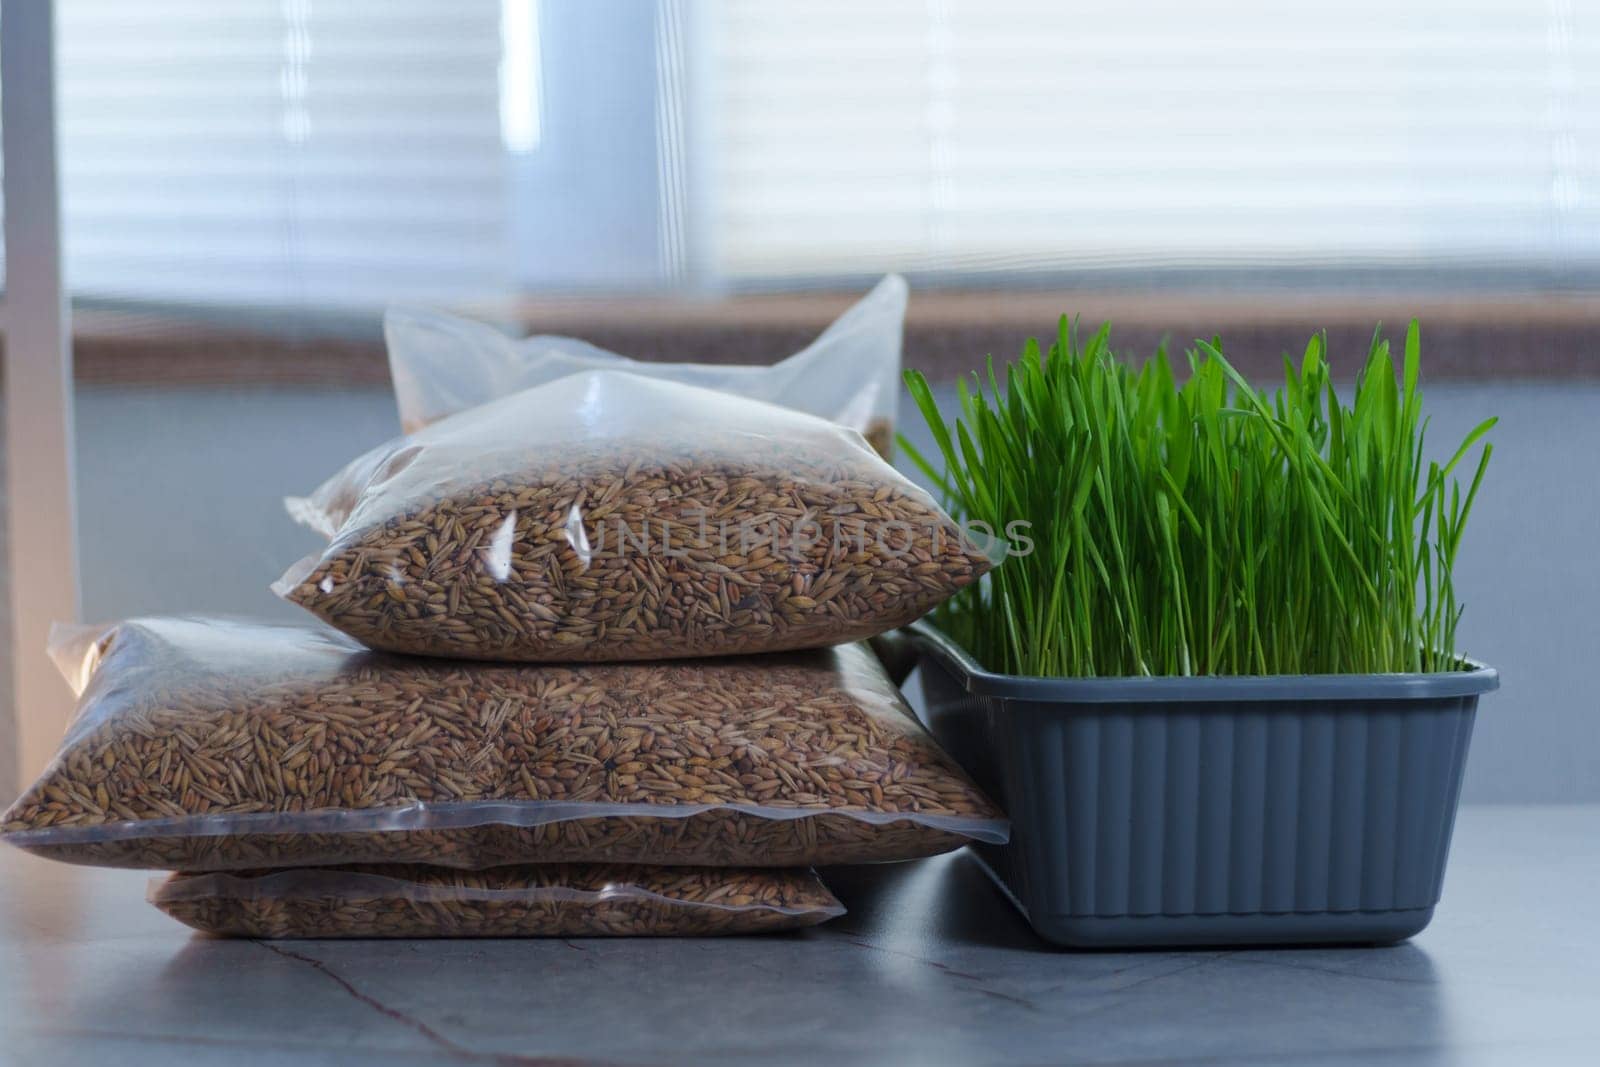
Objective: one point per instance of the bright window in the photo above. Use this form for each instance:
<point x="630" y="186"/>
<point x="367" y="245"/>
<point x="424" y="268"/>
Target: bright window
<point x="1030" y="135"/>
<point x="281" y="151"/>
<point x="311" y="153"/>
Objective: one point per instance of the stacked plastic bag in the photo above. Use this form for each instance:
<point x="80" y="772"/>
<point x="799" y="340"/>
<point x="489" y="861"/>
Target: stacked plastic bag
<point x="589" y="662"/>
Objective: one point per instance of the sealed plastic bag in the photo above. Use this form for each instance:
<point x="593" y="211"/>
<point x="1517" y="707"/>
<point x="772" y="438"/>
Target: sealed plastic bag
<point x="611" y="517"/>
<point x="206" y="744"/>
<point x="442" y="364"/>
<point x="544" y="900"/>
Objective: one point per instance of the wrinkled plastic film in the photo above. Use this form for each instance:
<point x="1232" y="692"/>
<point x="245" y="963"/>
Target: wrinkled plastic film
<point x="546" y="900"/>
<point x="214" y="744"/>
<point x="75" y="649"/>
<point x="468" y="815"/>
<point x="442" y="364"/>
<point x="609" y="517"/>
<point x="417" y="884"/>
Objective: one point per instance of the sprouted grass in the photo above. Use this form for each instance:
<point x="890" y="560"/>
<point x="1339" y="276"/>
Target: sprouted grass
<point x="1207" y="527"/>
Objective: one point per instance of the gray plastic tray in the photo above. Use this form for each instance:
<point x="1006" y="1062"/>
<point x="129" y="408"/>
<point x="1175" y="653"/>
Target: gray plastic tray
<point x="1182" y="811"/>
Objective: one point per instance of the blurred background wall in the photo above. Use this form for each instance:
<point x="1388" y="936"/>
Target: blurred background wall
<point x="248" y="183"/>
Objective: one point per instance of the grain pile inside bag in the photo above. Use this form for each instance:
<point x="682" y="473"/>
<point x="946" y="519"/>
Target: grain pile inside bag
<point x="542" y="900"/>
<point x="207" y="744"/>
<point x="608" y="516"/>
<point x="442" y="364"/>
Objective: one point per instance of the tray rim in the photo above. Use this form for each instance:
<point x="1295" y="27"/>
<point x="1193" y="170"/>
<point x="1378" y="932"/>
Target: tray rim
<point x="931" y="642"/>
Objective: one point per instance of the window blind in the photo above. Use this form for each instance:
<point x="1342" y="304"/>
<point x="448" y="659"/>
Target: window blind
<point x="310" y="152"/>
<point x="1009" y="135"/>
<point x="282" y="151"/>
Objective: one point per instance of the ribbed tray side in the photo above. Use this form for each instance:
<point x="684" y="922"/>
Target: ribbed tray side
<point x="1275" y="808"/>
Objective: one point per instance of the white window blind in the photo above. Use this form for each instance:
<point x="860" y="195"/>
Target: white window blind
<point x="947" y="135"/>
<point x="355" y="152"/>
<point x="282" y="151"/>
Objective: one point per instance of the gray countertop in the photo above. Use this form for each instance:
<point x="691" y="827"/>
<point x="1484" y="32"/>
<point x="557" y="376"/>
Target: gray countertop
<point x="930" y="966"/>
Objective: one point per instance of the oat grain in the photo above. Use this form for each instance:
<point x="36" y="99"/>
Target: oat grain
<point x="697" y="524"/>
<point x="206" y="744"/>
<point x="555" y="900"/>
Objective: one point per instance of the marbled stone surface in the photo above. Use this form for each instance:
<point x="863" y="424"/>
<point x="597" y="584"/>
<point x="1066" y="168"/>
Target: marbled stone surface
<point x="931" y="966"/>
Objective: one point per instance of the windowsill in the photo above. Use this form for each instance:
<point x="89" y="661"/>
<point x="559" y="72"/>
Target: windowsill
<point x="1475" y="336"/>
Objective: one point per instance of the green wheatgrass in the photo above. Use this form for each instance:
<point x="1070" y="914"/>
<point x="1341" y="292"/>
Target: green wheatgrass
<point x="1207" y="527"/>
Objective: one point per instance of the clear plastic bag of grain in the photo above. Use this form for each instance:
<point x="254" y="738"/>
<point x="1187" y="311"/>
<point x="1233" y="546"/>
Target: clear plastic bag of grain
<point x="850" y="374"/>
<point x="216" y="744"/>
<point x="547" y="900"/>
<point x="609" y="517"/>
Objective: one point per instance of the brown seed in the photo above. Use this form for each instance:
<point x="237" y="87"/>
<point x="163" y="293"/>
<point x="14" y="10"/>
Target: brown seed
<point x="229" y="731"/>
<point x="550" y="900"/>
<point x="710" y="541"/>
